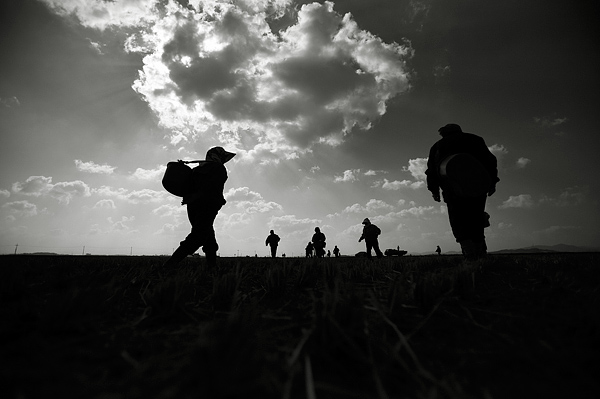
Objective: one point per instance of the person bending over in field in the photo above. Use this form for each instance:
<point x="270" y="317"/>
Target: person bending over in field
<point x="370" y="234"/>
<point x="462" y="166"/>
<point x="204" y="201"/>
<point x="309" y="249"/>
<point x="318" y="240"/>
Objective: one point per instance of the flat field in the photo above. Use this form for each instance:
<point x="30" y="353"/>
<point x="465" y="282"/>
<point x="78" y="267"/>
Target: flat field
<point x="510" y="326"/>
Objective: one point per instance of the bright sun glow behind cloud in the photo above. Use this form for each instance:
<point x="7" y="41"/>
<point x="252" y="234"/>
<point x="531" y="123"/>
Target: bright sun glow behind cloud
<point x="216" y="71"/>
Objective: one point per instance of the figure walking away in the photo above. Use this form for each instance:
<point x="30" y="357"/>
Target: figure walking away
<point x="336" y="252"/>
<point x="370" y="234"/>
<point x="462" y="166"/>
<point x="438" y="250"/>
<point x="273" y="241"/>
<point x="204" y="200"/>
<point x="318" y="240"/>
<point x="309" y="249"/>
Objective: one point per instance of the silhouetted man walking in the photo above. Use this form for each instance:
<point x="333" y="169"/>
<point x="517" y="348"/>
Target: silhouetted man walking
<point x="370" y="234"/>
<point x="273" y="241"/>
<point x="204" y="200"/>
<point x="462" y="166"/>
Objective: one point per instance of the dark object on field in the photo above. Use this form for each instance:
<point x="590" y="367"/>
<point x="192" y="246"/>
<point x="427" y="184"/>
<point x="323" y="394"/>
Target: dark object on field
<point x="204" y="198"/>
<point x="177" y="178"/>
<point x="361" y="254"/>
<point x="462" y="166"/>
<point x="395" y="252"/>
<point x="438" y="250"/>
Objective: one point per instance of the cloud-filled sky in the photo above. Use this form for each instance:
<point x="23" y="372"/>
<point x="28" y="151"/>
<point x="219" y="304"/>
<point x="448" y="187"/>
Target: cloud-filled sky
<point x="331" y="107"/>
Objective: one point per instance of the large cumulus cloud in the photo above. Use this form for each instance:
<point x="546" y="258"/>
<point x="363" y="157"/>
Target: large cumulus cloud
<point x="217" y="70"/>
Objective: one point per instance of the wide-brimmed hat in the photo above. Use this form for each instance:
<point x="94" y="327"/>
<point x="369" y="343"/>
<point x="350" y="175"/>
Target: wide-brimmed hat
<point x="219" y="154"/>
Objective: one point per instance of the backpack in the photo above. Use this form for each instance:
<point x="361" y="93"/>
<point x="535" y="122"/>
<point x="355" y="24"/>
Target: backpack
<point x="178" y="179"/>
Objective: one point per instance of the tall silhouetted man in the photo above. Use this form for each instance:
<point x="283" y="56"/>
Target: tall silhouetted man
<point x="273" y="241"/>
<point x="462" y="166"/>
<point x="204" y="200"/>
<point x="370" y="234"/>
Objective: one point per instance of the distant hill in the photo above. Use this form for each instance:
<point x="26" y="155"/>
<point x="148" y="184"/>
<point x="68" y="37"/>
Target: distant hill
<point x="547" y="248"/>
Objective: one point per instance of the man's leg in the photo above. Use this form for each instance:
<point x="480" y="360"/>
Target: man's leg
<point x="376" y="248"/>
<point x="465" y="216"/>
<point x="369" y="248"/>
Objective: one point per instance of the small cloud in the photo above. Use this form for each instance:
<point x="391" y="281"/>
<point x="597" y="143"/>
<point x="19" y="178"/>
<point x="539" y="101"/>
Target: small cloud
<point x="91" y="167"/>
<point x="518" y="201"/>
<point x="397" y="185"/>
<point x="21" y="208"/>
<point x="149" y="174"/>
<point x="350" y="175"/>
<point x="498" y="150"/>
<point x="417" y="168"/>
<point x="105" y="204"/>
<point x="569" y="197"/>
<point x="10" y="102"/>
<point x="522" y="162"/>
<point x="550" y="122"/>
<point x="4" y="193"/>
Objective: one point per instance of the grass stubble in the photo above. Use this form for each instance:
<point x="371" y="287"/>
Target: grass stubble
<point x="417" y="327"/>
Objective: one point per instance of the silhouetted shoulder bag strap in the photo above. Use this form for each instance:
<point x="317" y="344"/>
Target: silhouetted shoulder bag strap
<point x="178" y="179"/>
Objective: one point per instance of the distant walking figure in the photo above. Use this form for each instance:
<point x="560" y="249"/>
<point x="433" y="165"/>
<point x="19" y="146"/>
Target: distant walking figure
<point x="370" y="234"/>
<point x="273" y="241"/>
<point x="466" y="171"/>
<point x="318" y="240"/>
<point x="336" y="252"/>
<point x="204" y="199"/>
<point x="438" y="250"/>
<point x="309" y="249"/>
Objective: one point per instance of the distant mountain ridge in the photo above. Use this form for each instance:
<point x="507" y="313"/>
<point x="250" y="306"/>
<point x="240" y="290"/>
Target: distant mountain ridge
<point x="547" y="248"/>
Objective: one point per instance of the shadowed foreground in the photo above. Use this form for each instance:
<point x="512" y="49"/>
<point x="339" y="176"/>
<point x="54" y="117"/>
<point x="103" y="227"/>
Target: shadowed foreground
<point x="410" y="327"/>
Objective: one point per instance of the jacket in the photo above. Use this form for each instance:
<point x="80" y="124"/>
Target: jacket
<point x="208" y="182"/>
<point x="458" y="143"/>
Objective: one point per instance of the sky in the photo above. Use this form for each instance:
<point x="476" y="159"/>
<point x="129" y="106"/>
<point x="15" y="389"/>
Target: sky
<point x="330" y="106"/>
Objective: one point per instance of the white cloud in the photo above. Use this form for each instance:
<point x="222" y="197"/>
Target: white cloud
<point x="21" y="208"/>
<point x="522" y="162"/>
<point x="569" y="197"/>
<point x="103" y="14"/>
<point x="105" y="204"/>
<point x="417" y="168"/>
<point x="143" y="196"/>
<point x="149" y="174"/>
<point x="91" y="167"/>
<point x="349" y="175"/>
<point x="222" y="72"/>
<point x="498" y="150"/>
<point x="64" y="192"/>
<point x="549" y="121"/>
<point x="372" y="206"/>
<point x="10" y="102"/>
<point x="397" y="185"/>
<point x="518" y="201"/>
<point x="250" y="201"/>
<point x="4" y="193"/>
